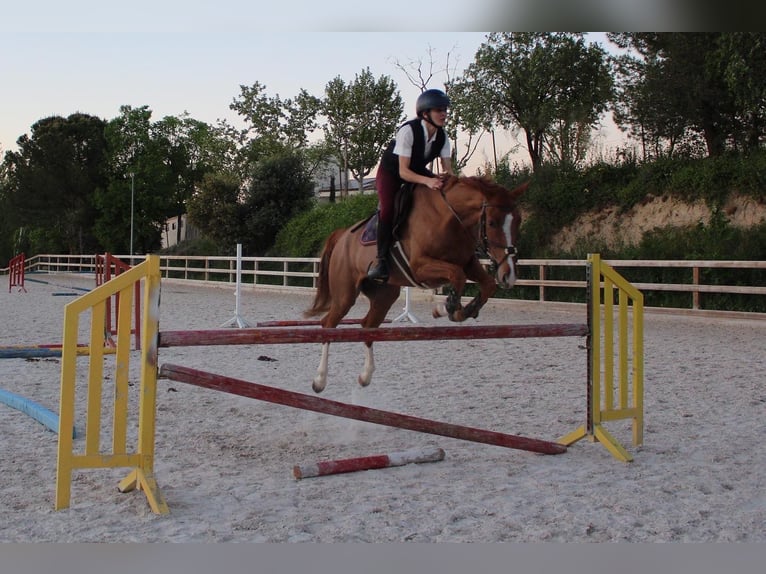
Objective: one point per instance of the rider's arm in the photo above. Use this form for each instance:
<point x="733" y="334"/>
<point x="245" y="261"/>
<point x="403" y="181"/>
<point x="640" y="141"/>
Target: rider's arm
<point x="408" y="175"/>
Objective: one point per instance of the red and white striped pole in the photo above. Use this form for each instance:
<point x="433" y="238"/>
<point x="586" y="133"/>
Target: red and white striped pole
<point x="323" y="468"/>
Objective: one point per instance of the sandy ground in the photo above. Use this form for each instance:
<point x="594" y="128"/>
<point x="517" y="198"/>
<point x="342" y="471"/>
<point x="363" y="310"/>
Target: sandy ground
<point x="224" y="463"/>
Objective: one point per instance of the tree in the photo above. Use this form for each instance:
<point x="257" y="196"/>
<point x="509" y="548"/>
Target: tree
<point x="743" y="66"/>
<point x="280" y="189"/>
<point x="8" y="248"/>
<point x="167" y="159"/>
<point x="133" y="150"/>
<point x="52" y="181"/>
<point x="215" y="209"/>
<point x="361" y="118"/>
<point x="552" y="86"/>
<point x="645" y="110"/>
<point x="420" y="73"/>
<point x="336" y="108"/>
<point x="709" y="84"/>
<point x="272" y="123"/>
<point x="191" y="149"/>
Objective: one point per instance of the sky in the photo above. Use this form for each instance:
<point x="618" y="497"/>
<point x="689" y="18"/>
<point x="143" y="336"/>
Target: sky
<point x="93" y="56"/>
<point x="176" y="73"/>
<point x="173" y="73"/>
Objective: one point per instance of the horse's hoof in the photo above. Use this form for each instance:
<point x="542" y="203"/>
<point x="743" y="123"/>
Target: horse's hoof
<point x="317" y="386"/>
<point x="457" y="316"/>
<point x="439" y="311"/>
<point x="362" y="381"/>
<point x="472" y="313"/>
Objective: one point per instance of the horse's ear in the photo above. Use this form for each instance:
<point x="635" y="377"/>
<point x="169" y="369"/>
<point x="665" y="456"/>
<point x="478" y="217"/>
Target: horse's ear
<point x="519" y="190"/>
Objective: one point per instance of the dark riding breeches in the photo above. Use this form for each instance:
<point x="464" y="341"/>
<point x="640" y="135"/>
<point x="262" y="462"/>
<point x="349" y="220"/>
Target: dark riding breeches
<point x="388" y="186"/>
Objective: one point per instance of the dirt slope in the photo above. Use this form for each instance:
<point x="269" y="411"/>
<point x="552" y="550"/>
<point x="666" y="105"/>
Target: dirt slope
<point x="613" y="228"/>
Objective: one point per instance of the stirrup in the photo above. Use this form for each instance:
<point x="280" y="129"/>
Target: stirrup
<point x="379" y="273"/>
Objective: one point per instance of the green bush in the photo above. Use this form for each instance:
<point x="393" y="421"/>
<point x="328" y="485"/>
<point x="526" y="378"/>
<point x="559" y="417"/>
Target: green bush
<point x="305" y="234"/>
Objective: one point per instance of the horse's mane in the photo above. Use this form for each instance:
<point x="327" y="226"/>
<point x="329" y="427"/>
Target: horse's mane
<point x="483" y="184"/>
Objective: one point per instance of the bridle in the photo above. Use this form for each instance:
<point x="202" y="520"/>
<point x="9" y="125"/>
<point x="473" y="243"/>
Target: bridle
<point x="482" y="241"/>
<point x="509" y="251"/>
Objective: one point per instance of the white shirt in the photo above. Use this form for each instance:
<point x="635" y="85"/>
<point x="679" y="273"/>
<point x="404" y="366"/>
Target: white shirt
<point x="405" y="139"/>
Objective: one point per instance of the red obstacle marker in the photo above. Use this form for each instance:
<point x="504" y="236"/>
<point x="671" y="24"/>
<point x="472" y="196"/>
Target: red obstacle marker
<point x="16" y="273"/>
<point x="338" y="409"/>
<point x="325" y="467"/>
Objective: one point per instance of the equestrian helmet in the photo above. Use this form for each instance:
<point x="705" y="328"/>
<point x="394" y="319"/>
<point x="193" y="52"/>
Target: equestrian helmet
<point x="431" y="99"/>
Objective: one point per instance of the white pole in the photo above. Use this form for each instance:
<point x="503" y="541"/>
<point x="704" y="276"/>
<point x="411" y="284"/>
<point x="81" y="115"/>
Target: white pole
<point x="237" y="290"/>
<point x="406" y="314"/>
<point x="237" y="320"/>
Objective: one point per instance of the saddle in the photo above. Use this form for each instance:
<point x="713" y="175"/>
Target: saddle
<point x="402" y="206"/>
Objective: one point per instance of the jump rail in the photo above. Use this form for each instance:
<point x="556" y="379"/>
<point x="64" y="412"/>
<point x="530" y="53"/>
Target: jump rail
<point x="614" y="385"/>
<point x="44" y="416"/>
<point x="42" y="351"/>
<point x="285" y="335"/>
<point x="326" y="406"/>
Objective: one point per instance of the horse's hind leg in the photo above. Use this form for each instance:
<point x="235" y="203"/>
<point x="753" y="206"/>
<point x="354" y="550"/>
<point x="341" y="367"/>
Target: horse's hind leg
<point x="338" y="309"/>
<point x="381" y="299"/>
<point x="365" y="377"/>
<point x="320" y="379"/>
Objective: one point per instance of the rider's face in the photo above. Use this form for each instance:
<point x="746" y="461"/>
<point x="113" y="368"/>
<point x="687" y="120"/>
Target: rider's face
<point x="438" y="116"/>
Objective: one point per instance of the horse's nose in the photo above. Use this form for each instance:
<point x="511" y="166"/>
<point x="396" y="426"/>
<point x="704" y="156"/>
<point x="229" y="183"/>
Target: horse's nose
<point x="506" y="276"/>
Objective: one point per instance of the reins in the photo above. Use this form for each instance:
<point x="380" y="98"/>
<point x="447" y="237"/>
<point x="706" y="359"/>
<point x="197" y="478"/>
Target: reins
<point x="482" y="241"/>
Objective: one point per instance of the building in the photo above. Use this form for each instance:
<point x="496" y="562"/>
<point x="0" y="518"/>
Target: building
<point x="177" y="229"/>
<point x="329" y="177"/>
<point x="325" y="188"/>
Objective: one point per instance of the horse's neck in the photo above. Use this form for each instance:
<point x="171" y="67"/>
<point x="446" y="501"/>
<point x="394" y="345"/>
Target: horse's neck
<point x="464" y="205"/>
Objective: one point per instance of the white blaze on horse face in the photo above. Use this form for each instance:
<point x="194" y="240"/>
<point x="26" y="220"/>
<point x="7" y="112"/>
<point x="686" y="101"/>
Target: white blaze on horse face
<point x="508" y="279"/>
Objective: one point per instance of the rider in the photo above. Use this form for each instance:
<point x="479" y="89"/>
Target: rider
<point x="406" y="159"/>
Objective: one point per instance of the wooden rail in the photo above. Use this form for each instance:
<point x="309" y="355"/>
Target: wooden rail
<point x="299" y="274"/>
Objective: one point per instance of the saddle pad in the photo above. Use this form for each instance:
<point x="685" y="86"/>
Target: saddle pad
<point x="369" y="234"/>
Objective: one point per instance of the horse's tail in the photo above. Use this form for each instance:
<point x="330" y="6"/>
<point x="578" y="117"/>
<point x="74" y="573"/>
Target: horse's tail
<point x="322" y="297"/>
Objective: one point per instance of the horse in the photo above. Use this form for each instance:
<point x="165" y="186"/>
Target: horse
<point x="435" y="246"/>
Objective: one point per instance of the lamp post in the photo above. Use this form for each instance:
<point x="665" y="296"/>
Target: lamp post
<point x="132" y="193"/>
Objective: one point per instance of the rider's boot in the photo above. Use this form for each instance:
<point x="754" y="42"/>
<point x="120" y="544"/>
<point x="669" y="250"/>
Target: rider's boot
<point x="379" y="272"/>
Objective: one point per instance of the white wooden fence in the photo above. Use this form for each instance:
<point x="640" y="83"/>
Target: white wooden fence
<point x="288" y="273"/>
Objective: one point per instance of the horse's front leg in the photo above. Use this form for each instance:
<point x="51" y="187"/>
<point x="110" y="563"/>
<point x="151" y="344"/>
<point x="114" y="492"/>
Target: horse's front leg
<point x="320" y="380"/>
<point x="475" y="272"/>
<point x="435" y="271"/>
<point x="454" y="308"/>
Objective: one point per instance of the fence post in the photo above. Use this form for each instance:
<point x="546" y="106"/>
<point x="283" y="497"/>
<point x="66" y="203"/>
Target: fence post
<point x="696" y="294"/>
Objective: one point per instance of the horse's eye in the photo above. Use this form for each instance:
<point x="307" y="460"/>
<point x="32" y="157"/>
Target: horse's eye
<point x="493" y="223"/>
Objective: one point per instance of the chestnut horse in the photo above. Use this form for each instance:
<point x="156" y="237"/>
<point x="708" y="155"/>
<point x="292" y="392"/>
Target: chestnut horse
<point x="436" y="246"/>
